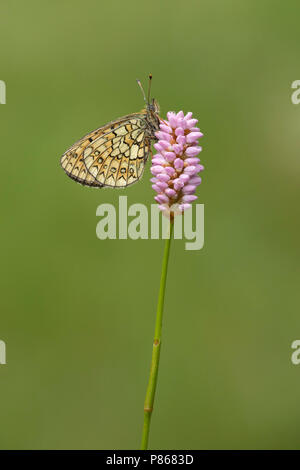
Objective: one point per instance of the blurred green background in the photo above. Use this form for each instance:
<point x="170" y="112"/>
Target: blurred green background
<point x="77" y="313"/>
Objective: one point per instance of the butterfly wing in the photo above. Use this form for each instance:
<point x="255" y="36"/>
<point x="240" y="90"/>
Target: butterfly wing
<point x="113" y="155"/>
<point x="73" y="164"/>
<point x="117" y="159"/>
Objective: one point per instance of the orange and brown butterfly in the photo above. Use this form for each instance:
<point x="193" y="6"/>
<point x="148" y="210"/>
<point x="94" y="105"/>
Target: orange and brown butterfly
<point x="114" y="155"/>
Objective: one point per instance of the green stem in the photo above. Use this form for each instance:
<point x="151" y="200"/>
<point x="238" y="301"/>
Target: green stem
<point x="150" y="394"/>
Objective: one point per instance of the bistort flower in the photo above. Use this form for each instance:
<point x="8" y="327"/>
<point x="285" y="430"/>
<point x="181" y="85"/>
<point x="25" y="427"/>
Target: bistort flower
<point x="176" y="166"/>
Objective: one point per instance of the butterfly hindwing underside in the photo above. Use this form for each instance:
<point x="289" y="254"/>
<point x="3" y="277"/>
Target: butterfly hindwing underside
<point x="113" y="155"/>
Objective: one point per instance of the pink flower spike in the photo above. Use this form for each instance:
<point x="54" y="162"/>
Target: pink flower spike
<point x="170" y="115"/>
<point x="191" y="122"/>
<point x="189" y="198"/>
<point x="177" y="148"/>
<point x="173" y="121"/>
<point x="179" y="131"/>
<point x="180" y="123"/>
<point x="181" y="140"/>
<point x="161" y="185"/>
<point x="180" y="115"/>
<point x="198" y="168"/>
<point x="192" y="161"/>
<point x="176" y="166"/>
<point x="189" y="189"/>
<point x="156" y="169"/>
<point x="158" y="147"/>
<point x="185" y="178"/>
<point x="170" y="170"/>
<point x="164" y="143"/>
<point x="166" y="128"/>
<point x="193" y="151"/>
<point x="183" y="124"/>
<point x="178" y="184"/>
<point x="196" y="180"/>
<point x="161" y="198"/>
<point x="170" y="192"/>
<point x="163" y="177"/>
<point x="158" y="160"/>
<point x="170" y="156"/>
<point x="190" y="170"/>
<point x="193" y="137"/>
<point x="163" y="135"/>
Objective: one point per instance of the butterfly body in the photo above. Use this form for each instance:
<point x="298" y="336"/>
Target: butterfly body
<point x="114" y="155"/>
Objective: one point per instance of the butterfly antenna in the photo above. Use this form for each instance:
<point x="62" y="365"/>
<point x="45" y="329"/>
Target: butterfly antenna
<point x="149" y="86"/>
<point x="142" y="89"/>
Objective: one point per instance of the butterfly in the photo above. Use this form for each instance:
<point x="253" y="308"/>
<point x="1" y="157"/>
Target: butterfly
<point x="114" y="155"/>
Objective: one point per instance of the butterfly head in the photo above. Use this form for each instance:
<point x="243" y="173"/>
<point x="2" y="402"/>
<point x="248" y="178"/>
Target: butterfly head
<point x="152" y="109"/>
<point x="152" y="106"/>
